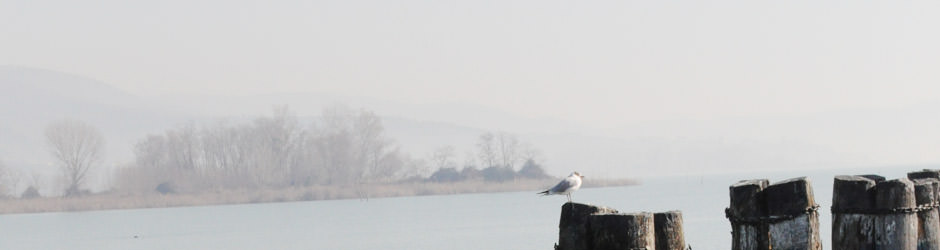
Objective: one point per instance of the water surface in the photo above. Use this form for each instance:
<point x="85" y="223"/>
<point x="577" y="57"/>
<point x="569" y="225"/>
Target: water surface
<point x="518" y="220"/>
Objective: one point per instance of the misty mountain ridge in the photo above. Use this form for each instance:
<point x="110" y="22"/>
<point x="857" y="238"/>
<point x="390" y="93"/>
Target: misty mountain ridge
<point x="50" y="85"/>
<point x="31" y="98"/>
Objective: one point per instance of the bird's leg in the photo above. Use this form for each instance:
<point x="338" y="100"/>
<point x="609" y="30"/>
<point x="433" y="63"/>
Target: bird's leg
<point x="569" y="198"/>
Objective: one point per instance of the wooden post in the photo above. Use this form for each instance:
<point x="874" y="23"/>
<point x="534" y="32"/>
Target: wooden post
<point x="928" y="231"/>
<point x="669" y="231"/>
<point x="794" y="222"/>
<point x="622" y="231"/>
<point x="747" y="207"/>
<point x="928" y="237"/>
<point x="573" y="231"/>
<point x="852" y="225"/>
<point x="895" y="228"/>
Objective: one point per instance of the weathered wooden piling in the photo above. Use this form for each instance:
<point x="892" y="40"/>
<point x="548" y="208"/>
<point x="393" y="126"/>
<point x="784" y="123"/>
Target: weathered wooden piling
<point x="896" y="224"/>
<point x="928" y="236"/>
<point x="746" y="210"/>
<point x="584" y="227"/>
<point x="852" y="224"/>
<point x="669" y="235"/>
<point x="792" y="217"/>
<point x="778" y="216"/>
<point x="622" y="231"/>
<point x="928" y="220"/>
<point x="573" y="227"/>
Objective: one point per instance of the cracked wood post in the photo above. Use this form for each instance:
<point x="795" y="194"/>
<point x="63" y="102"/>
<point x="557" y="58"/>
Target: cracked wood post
<point x="928" y="231"/>
<point x="669" y="234"/>
<point x="928" y="223"/>
<point x="573" y="231"/>
<point x="622" y="231"/>
<point x="792" y="200"/>
<point x="852" y="228"/>
<point x="747" y="202"/>
<point x="895" y="229"/>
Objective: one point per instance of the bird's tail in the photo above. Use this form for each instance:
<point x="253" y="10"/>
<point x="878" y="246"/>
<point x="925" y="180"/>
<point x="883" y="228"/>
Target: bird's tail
<point x="544" y="192"/>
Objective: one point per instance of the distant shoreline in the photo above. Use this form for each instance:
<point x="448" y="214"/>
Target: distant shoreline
<point x="118" y="201"/>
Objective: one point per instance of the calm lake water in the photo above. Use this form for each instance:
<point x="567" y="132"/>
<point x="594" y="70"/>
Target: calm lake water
<point x="519" y="220"/>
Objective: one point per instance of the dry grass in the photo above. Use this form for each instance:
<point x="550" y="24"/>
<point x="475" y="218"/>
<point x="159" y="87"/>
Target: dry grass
<point x="116" y="200"/>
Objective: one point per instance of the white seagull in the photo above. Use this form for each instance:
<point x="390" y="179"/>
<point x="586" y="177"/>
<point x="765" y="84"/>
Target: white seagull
<point x="566" y="186"/>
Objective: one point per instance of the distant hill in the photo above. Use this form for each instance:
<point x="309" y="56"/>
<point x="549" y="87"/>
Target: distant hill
<point x="40" y="85"/>
<point x="32" y="98"/>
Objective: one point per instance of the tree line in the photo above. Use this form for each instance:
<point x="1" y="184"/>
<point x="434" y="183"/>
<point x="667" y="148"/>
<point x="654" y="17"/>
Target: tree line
<point x="342" y="146"/>
<point x="495" y="159"/>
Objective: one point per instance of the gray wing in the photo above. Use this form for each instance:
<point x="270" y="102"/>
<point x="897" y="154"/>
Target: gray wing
<point x="565" y="184"/>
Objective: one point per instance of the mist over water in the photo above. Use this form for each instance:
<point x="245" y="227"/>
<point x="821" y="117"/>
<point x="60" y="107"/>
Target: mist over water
<point x="689" y="97"/>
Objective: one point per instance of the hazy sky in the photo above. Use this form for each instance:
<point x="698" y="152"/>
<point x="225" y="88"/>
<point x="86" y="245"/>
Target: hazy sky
<point x="592" y="62"/>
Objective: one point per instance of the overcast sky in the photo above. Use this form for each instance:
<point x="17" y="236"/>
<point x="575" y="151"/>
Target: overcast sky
<point x="590" y="62"/>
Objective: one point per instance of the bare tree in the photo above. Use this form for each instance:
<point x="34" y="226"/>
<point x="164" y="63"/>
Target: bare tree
<point x="272" y="145"/>
<point x="529" y="152"/>
<point x="371" y="145"/>
<point x="184" y="145"/>
<point x="444" y="157"/>
<point x="36" y="181"/>
<point x="500" y="150"/>
<point x="10" y="180"/>
<point x="78" y="147"/>
<point x="334" y="145"/>
<point x="353" y="148"/>
<point x="413" y="168"/>
<point x="5" y="180"/>
<point x="508" y="149"/>
<point x="486" y="150"/>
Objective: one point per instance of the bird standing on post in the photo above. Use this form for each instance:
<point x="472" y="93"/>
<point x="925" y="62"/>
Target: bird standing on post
<point x="566" y="186"/>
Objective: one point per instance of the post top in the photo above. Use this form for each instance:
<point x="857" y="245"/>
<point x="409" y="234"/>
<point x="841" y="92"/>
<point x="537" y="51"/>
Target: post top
<point x="924" y="174"/>
<point x="762" y="183"/>
<point x="894" y="194"/>
<point x="789" y="197"/>
<point x="852" y="192"/>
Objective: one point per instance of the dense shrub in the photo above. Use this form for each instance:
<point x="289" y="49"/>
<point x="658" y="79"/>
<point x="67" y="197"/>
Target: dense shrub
<point x="30" y="193"/>
<point x="471" y="173"/>
<point x="166" y="188"/>
<point x="532" y="170"/>
<point x="498" y="174"/>
<point x="446" y="175"/>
